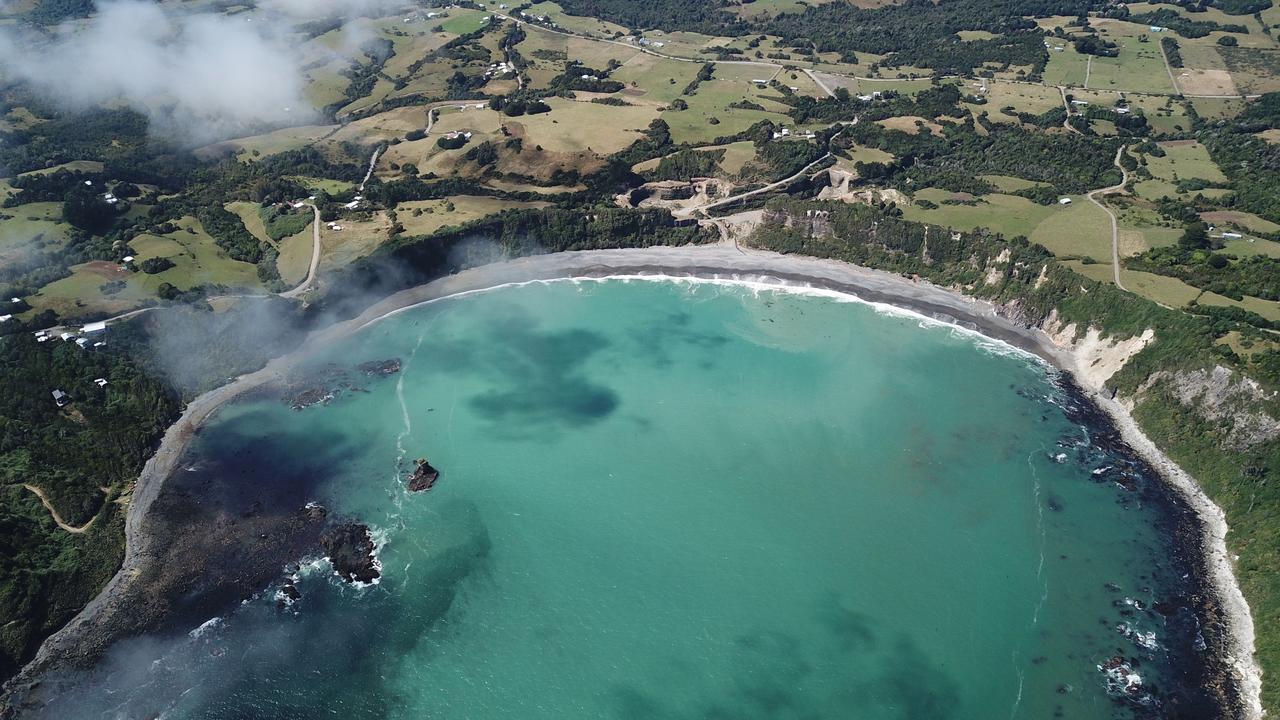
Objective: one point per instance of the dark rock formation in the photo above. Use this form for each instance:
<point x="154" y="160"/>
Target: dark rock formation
<point x="423" y="477"/>
<point x="380" y="368"/>
<point x="350" y="549"/>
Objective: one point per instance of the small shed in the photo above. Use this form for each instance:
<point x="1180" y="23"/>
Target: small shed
<point x="1064" y="201"/>
<point x="61" y="398"/>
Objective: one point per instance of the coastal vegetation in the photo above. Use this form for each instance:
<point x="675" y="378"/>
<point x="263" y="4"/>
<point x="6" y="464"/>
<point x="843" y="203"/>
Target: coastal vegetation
<point x="71" y="465"/>
<point x="1230" y="456"/>
<point x="959" y="142"/>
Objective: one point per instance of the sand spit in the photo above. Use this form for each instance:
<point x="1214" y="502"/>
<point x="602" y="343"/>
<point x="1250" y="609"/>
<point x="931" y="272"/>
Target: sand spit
<point x="1091" y="361"/>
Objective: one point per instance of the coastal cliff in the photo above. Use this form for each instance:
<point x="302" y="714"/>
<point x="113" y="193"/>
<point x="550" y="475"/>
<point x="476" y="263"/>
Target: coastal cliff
<point x="1162" y="373"/>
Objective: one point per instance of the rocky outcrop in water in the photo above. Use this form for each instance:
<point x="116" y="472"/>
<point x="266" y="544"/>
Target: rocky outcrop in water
<point x="350" y="549"/>
<point x="424" y="476"/>
<point x="380" y="368"/>
<point x="322" y="386"/>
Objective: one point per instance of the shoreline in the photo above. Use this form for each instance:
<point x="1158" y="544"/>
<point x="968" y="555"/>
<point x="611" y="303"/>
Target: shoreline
<point x="705" y="262"/>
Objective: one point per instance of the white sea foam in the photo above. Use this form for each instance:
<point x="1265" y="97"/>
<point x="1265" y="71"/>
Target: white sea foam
<point x="758" y="285"/>
<point x="1040" y="529"/>
<point x="205" y="627"/>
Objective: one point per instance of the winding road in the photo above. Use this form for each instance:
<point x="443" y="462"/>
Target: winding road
<point x="53" y="512"/>
<point x="1093" y="196"/>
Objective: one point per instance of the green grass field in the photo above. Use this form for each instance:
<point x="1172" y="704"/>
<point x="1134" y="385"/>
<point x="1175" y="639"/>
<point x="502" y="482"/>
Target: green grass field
<point x="654" y="79"/>
<point x="1006" y="214"/>
<point x="1008" y="183"/>
<point x="1032" y="99"/>
<point x="1066" y="66"/>
<point x="315" y="184"/>
<point x="1140" y="66"/>
<point x="1245" y="220"/>
<point x="1217" y="108"/>
<point x="87" y="166"/>
<point x="197" y="260"/>
<point x="573" y="23"/>
<point x="1244" y="247"/>
<point x="295" y="256"/>
<point x="423" y="217"/>
<point x="575" y="126"/>
<point x="460" y="21"/>
<point x="248" y="148"/>
<point x="1076" y="230"/>
<point x="33" y="228"/>
<point x="712" y="101"/>
<point x="252" y="219"/>
<point x="1182" y="161"/>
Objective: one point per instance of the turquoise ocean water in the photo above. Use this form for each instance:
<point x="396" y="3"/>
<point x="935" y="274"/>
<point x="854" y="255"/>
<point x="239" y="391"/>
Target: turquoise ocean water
<point x="676" y="500"/>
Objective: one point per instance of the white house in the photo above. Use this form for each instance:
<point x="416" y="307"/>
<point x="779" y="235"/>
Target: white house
<point x="100" y="382"/>
<point x="94" y="327"/>
<point x="5" y="318"/>
<point x="1064" y="201"/>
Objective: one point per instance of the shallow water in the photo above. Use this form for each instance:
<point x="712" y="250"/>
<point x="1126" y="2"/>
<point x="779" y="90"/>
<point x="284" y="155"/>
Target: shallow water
<point x="675" y="500"/>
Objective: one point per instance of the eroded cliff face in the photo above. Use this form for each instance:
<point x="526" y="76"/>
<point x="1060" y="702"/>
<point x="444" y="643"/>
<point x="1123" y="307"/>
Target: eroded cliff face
<point x="1227" y="398"/>
<point x="1219" y="394"/>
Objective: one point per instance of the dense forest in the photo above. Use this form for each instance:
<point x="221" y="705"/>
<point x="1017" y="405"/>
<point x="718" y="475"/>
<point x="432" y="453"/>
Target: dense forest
<point x="1251" y="163"/>
<point x="81" y="456"/>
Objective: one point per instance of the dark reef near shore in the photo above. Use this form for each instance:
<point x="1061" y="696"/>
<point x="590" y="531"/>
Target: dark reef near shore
<point x="1199" y="682"/>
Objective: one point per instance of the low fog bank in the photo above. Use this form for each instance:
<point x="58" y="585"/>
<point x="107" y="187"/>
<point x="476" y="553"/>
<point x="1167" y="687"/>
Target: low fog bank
<point x="199" y="76"/>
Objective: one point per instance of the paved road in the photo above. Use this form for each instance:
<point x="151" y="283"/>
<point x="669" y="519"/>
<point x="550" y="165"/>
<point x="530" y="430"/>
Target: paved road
<point x="1093" y="196"/>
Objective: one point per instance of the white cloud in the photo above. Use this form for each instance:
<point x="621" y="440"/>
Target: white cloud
<point x="199" y="76"/>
